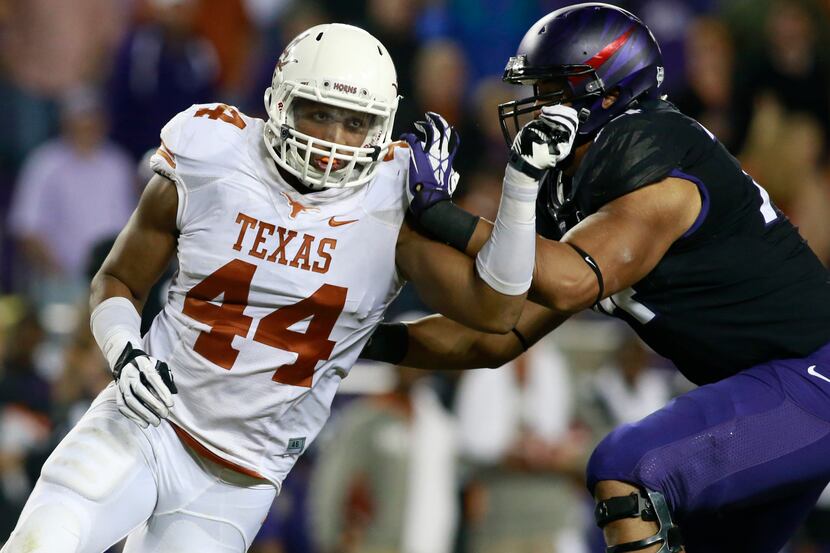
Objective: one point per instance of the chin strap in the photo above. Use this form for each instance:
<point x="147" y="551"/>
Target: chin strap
<point x="647" y="505"/>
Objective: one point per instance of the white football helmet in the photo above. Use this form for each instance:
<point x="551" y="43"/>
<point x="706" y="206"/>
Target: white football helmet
<point x="345" y="67"/>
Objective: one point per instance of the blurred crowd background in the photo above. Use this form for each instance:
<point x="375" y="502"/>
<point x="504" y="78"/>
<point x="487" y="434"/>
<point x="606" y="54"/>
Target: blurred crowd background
<point x="411" y="462"/>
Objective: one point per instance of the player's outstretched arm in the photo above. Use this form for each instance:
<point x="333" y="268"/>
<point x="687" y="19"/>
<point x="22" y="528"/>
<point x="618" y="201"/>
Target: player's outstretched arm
<point x="625" y="240"/>
<point x="616" y="247"/>
<point x="448" y="282"/>
<point x="438" y="343"/>
<point x="142" y="250"/>
<point x="489" y="294"/>
<point x="140" y="255"/>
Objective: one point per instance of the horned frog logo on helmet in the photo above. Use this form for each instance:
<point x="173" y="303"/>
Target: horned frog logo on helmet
<point x="342" y="69"/>
<point x="284" y="58"/>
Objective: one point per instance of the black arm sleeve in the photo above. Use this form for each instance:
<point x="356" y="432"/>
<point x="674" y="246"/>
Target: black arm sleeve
<point x="448" y="223"/>
<point x="388" y="344"/>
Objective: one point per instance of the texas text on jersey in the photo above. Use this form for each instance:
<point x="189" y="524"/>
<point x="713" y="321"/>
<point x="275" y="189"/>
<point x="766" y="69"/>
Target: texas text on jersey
<point x="685" y="309"/>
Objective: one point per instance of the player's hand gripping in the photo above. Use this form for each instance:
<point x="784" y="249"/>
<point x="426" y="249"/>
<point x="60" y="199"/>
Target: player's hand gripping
<point x="545" y="141"/>
<point x="145" y="387"/>
<point x="431" y="176"/>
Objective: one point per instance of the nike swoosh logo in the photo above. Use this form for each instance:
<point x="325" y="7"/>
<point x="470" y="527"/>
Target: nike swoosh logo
<point x="811" y="370"/>
<point x="335" y="223"/>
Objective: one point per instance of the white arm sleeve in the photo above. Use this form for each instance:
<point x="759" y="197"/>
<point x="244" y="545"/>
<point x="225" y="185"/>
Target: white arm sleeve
<point x="115" y="323"/>
<point x="507" y="259"/>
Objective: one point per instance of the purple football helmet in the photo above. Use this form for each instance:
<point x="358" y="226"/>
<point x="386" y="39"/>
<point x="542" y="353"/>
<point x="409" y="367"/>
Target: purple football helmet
<point x="594" y="48"/>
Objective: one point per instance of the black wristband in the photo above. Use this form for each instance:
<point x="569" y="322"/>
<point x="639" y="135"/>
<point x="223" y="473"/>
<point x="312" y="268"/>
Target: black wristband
<point x="129" y="354"/>
<point x="389" y="343"/>
<point x="516" y="162"/>
<point x="448" y="223"/>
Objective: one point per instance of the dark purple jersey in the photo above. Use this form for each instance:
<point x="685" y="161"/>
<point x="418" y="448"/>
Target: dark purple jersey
<point x="740" y="288"/>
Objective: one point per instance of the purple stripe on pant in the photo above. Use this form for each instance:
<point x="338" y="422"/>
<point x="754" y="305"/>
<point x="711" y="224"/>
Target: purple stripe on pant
<point x="740" y="461"/>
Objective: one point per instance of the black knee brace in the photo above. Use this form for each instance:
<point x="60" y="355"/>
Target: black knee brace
<point x="648" y="505"/>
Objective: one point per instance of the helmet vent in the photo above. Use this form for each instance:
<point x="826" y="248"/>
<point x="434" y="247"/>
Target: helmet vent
<point x="543" y="29"/>
<point x="319" y="36"/>
<point x="379" y="50"/>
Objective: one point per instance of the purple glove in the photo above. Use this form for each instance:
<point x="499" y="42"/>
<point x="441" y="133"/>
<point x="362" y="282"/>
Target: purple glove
<point x="431" y="176"/>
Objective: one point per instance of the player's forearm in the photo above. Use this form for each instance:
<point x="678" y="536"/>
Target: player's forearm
<point x="566" y="284"/>
<point x="449" y="283"/>
<point x="504" y="251"/>
<point x="460" y="294"/>
<point x="438" y="343"/>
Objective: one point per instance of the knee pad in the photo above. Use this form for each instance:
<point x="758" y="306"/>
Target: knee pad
<point x="48" y="528"/>
<point x="648" y="505"/>
<point x="95" y="457"/>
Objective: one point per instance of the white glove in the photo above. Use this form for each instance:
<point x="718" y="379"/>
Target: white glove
<point x="545" y="141"/>
<point x="145" y="387"/>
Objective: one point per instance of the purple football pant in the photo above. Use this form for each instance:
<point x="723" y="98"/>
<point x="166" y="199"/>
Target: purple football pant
<point x="740" y="461"/>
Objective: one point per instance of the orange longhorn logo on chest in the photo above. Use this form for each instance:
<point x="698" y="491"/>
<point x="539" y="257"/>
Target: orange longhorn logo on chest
<point x="297" y="207"/>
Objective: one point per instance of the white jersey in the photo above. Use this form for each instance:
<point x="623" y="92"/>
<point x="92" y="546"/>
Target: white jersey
<point x="276" y="292"/>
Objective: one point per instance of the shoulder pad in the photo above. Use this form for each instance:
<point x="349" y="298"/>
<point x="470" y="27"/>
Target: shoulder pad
<point x="638" y="148"/>
<point x="386" y="197"/>
<point x="212" y="134"/>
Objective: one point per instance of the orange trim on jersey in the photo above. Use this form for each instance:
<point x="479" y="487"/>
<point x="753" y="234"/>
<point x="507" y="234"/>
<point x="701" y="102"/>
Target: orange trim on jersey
<point x="390" y="153"/>
<point x="165" y="152"/>
<point x="191" y="442"/>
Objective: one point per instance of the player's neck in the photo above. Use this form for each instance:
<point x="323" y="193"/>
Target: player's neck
<point x="294" y="182"/>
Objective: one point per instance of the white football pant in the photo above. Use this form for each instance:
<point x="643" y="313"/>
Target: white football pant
<point x="109" y="478"/>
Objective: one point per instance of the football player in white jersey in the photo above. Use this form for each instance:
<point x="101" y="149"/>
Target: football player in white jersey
<point x="291" y="242"/>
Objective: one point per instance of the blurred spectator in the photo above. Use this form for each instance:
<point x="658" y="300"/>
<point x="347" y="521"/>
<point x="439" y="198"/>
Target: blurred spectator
<point x="490" y="31"/>
<point x="441" y="80"/>
<point x="298" y="17"/>
<point x="789" y="67"/>
<point x="391" y="21"/>
<point x="669" y="21"/>
<point x="385" y="482"/>
<point x="440" y="74"/>
<point x="480" y="192"/>
<point x="24" y="408"/>
<point x="710" y="68"/>
<point x="287" y="529"/>
<point x="72" y="191"/>
<point x="47" y="48"/>
<point x="85" y="373"/>
<point x="20" y="384"/>
<point x="810" y="209"/>
<point x="162" y="68"/>
<point x="628" y="388"/>
<point x="515" y="431"/>
<point x="226" y="24"/>
<point x="785" y="153"/>
<point x="483" y="152"/>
